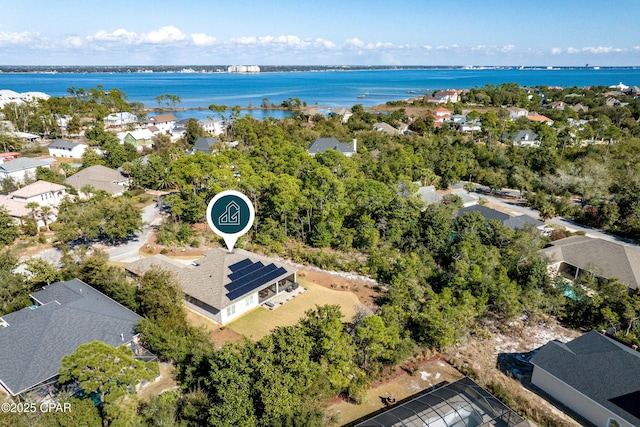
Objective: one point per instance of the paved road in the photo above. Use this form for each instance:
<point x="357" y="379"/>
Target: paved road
<point x="564" y="222"/>
<point x="129" y="251"/>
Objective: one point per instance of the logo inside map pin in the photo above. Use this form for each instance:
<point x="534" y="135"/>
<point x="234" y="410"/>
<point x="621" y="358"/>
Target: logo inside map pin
<point x="230" y="214"/>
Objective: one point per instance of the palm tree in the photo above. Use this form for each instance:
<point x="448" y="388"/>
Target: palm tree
<point x="34" y="208"/>
<point x="45" y="211"/>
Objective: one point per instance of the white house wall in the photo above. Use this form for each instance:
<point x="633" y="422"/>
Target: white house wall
<point x="240" y="307"/>
<point x="575" y="400"/>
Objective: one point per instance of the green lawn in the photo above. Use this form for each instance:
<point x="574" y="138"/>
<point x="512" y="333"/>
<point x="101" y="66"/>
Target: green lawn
<point x="261" y="321"/>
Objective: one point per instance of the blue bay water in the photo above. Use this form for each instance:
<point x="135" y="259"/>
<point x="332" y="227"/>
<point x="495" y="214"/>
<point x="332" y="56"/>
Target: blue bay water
<point x="330" y="89"/>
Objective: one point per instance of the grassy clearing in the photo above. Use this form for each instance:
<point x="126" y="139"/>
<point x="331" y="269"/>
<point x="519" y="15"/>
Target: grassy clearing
<point x="260" y="322"/>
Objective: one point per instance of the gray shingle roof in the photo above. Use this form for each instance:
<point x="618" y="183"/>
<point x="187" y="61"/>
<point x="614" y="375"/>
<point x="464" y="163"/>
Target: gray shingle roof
<point x="21" y="163"/>
<point x="601" y="257"/>
<point x="597" y="367"/>
<point x="513" y="222"/>
<point x="72" y="313"/>
<point x="321" y="145"/>
<point x="206" y="282"/>
<point x="204" y="144"/>
<point x="62" y="144"/>
<point x="99" y="177"/>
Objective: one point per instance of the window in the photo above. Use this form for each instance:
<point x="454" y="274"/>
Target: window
<point x="613" y="423"/>
<point x="249" y="300"/>
<point x="231" y="310"/>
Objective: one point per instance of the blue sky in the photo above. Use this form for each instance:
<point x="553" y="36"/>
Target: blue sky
<point x="355" y="32"/>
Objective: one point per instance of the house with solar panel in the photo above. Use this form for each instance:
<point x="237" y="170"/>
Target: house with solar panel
<point x="224" y="285"/>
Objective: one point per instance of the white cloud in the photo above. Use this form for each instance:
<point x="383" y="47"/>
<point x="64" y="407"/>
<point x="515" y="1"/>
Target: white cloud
<point x="595" y="50"/>
<point x="119" y="35"/>
<point x="167" y="34"/>
<point x="22" y="38"/>
<point x="354" y="42"/>
<point x="556" y="50"/>
<point x="201" y="39"/>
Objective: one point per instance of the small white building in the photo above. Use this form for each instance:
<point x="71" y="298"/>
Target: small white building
<point x="243" y="69"/>
<point x="594" y="375"/>
<point x="41" y="192"/>
<point x="163" y="122"/>
<point x="515" y="112"/>
<point x="120" y="119"/>
<point x="213" y="126"/>
<point x="21" y="168"/>
<point x="64" y="148"/>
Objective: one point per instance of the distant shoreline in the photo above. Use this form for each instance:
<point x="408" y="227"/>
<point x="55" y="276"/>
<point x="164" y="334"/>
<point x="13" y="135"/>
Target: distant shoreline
<point x="222" y="69"/>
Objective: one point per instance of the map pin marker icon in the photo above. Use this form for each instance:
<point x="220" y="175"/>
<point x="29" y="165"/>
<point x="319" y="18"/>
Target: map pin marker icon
<point x="230" y="214"/>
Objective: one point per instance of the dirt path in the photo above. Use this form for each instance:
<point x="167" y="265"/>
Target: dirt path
<point x="478" y="357"/>
<point x="365" y="290"/>
<point x="164" y="383"/>
<point x="399" y="384"/>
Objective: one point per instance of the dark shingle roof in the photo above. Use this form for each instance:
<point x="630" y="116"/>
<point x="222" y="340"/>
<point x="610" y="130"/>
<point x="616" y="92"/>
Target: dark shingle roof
<point x="209" y="281"/>
<point x="204" y="144"/>
<point x="513" y="222"/>
<point x="72" y="313"/>
<point x="597" y="367"/>
<point x="61" y="144"/>
<point x="601" y="257"/>
<point x="99" y="177"/>
<point x="321" y="145"/>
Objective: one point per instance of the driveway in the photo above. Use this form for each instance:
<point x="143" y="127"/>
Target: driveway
<point x="129" y="251"/>
<point x="569" y="224"/>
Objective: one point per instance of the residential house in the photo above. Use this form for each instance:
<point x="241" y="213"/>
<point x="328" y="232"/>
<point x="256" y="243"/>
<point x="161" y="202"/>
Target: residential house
<point x="224" y="285"/>
<point x="116" y="120"/>
<point x="213" y="126"/>
<point x="206" y="145"/>
<point x="386" y="128"/>
<point x="439" y="115"/>
<point x="579" y="108"/>
<point x="539" y="118"/>
<point x="63" y="316"/>
<point x="577" y="255"/>
<point x="521" y="138"/>
<point x="343" y="112"/>
<point x="21" y="168"/>
<point x="557" y="105"/>
<point x="100" y="178"/>
<point x="460" y="403"/>
<point x="140" y="139"/>
<point x="513" y="222"/>
<point x="322" y="145"/>
<point x="469" y="125"/>
<point x="41" y="192"/>
<point x="594" y="375"/>
<point x="7" y="157"/>
<point x="516" y="112"/>
<point x="26" y="136"/>
<point x="163" y="122"/>
<point x="8" y="96"/>
<point x="444" y="96"/>
<point x="64" y="148"/>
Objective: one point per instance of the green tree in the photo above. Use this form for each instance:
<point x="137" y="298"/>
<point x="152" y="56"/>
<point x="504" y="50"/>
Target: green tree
<point x="192" y="132"/>
<point x="8" y="228"/>
<point x="106" y="372"/>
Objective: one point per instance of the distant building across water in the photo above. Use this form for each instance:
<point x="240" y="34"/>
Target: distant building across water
<point x="243" y="69"/>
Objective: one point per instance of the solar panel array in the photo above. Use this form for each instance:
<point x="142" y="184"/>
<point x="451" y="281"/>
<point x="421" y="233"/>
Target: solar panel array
<point x="248" y="275"/>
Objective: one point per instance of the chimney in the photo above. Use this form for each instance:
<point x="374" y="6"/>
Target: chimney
<point x="355" y="144"/>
